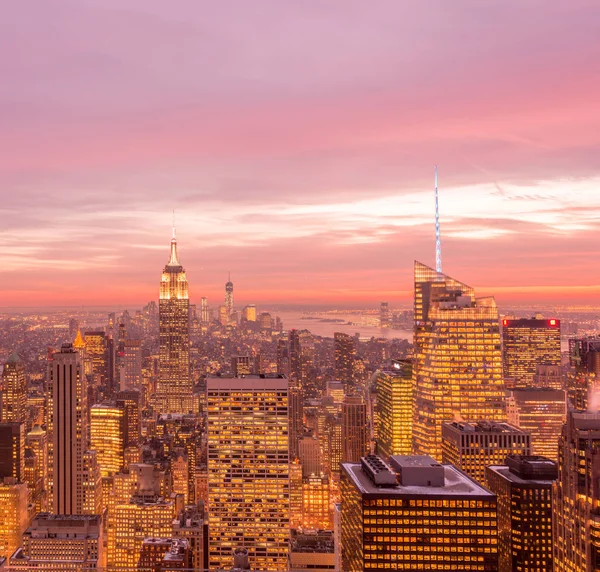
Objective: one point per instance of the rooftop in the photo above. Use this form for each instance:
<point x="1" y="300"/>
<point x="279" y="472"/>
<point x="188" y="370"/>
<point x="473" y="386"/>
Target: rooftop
<point x="483" y="427"/>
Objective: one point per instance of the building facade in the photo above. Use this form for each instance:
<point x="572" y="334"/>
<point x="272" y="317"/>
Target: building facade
<point x="13" y="398"/>
<point x="355" y="440"/>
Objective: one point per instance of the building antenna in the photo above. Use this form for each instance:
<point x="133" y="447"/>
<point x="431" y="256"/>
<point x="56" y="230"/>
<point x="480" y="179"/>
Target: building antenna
<point x="438" y="242"/>
<point x="173" y="224"/>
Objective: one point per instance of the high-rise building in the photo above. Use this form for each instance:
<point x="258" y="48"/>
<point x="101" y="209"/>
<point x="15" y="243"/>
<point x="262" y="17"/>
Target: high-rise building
<point x="302" y="359"/>
<point x="69" y="543"/>
<point x="330" y="439"/>
<point x="457" y="369"/>
<point x="245" y="365"/>
<point x="541" y="412"/>
<point x="524" y="491"/>
<point x="317" y="511"/>
<point x="344" y="348"/>
<point x="12" y="451"/>
<point x="312" y="550"/>
<point x="296" y="408"/>
<point x="576" y="495"/>
<point x="283" y="358"/>
<point x="204" y="311"/>
<point x="97" y="356"/>
<point x="174" y="391"/>
<point x="14" y="516"/>
<point x="355" y="440"/>
<point x="415" y="514"/>
<point x="395" y="408"/>
<point x="528" y="343"/>
<point x="472" y="447"/>
<point x="107" y="437"/>
<point x="130" y="402"/>
<point x="248" y="468"/>
<point x="131" y="365"/>
<point x="309" y="452"/>
<point x="67" y="431"/>
<point x="584" y="379"/>
<point x="384" y="315"/>
<point x="548" y="376"/>
<point x="13" y="402"/>
<point x="229" y="296"/>
<point x="191" y="526"/>
<point x="249" y="313"/>
<point x="37" y="476"/>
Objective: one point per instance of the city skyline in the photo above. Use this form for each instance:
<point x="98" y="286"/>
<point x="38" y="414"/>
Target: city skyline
<point x="310" y="164"/>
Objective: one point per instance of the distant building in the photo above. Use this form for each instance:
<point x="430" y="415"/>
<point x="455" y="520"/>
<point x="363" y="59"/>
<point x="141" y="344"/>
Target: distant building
<point x="474" y="446"/>
<point x="524" y="490"/>
<point x="541" y="412"/>
<point x="385" y="319"/>
<point x="229" y="296"/>
<point x="458" y="359"/>
<point x="70" y="543"/>
<point x="398" y="515"/>
<point x="12" y="451"/>
<point x="528" y="343"/>
<point x="245" y="365"/>
<point x="344" y="348"/>
<point x="249" y="313"/>
<point x="395" y="410"/>
<point x="13" y="398"/>
<point x="355" y="440"/>
<point x="576" y="495"/>
<point x="131" y="370"/>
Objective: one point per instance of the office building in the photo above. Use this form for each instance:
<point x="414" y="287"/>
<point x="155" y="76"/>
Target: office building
<point x="330" y="439"/>
<point x="98" y="359"/>
<point x="312" y="550"/>
<point x="541" y="412"/>
<point x="249" y="313"/>
<point x="14" y="516"/>
<point x="296" y="409"/>
<point x="457" y="368"/>
<point x="36" y="474"/>
<point x="415" y="514"/>
<point x="131" y="365"/>
<point x="12" y="451"/>
<point x="385" y="318"/>
<point x="549" y="377"/>
<point x="13" y="399"/>
<point x="344" y="349"/>
<point x="472" y="447"/>
<point x="584" y="377"/>
<point x="174" y="387"/>
<point x="317" y="511"/>
<point x="309" y="453"/>
<point x="523" y="487"/>
<point x="245" y="365"/>
<point x="576" y="495"/>
<point x="528" y="343"/>
<point x="106" y="437"/>
<point x="204" y="311"/>
<point x="395" y="410"/>
<point x="130" y="401"/>
<point x="69" y="543"/>
<point x="355" y="440"/>
<point x="164" y="554"/>
<point x="191" y="526"/>
<point x="248" y="468"/>
<point x="67" y="431"/>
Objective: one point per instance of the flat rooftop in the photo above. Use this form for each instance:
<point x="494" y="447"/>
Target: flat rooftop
<point x="505" y="472"/>
<point x="456" y="483"/>
<point x="483" y="427"/>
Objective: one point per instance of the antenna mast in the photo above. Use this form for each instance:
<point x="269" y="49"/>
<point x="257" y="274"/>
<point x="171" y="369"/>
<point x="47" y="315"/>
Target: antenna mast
<point x="438" y="243"/>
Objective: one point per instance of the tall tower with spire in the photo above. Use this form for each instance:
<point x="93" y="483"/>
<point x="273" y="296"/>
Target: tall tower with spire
<point x="174" y="391"/>
<point x="229" y="296"/>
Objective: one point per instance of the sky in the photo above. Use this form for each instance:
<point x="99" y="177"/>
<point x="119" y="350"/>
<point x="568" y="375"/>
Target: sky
<point x="296" y="142"/>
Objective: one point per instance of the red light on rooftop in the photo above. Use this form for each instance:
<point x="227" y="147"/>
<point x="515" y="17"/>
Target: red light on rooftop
<point x="504" y="322"/>
<point x="553" y="322"/>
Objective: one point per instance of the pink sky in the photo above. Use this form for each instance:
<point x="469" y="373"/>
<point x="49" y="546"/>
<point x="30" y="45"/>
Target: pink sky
<point x="296" y="141"/>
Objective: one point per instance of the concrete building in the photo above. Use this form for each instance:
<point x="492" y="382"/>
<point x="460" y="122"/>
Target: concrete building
<point x="355" y="440"/>
<point x="312" y="550"/>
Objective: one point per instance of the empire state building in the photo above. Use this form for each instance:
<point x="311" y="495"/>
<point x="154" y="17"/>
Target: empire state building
<point x="174" y="391"/>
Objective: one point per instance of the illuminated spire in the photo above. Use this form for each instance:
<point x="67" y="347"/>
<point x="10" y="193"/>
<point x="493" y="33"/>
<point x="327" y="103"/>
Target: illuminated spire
<point x="174" y="261"/>
<point x="438" y="242"/>
<point x="78" y="343"/>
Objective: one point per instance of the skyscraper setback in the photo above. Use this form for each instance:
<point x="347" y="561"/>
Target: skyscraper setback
<point x="458" y="358"/>
<point x="174" y="382"/>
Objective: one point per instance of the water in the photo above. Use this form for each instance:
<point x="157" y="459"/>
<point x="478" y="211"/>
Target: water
<point x="361" y="324"/>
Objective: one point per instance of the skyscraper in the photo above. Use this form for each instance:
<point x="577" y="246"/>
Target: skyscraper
<point x="458" y="359"/>
<point x="524" y="490"/>
<point x="13" y="403"/>
<point x="67" y="431"/>
<point x="131" y="365"/>
<point x="355" y="442"/>
<point x="576" y="495"/>
<point x="12" y="451"/>
<point x="384" y="315"/>
<point x="174" y="391"/>
<point x="395" y="405"/>
<point x="107" y="436"/>
<point x="344" y="348"/>
<point x="528" y="343"/>
<point x="229" y="296"/>
<point x="248" y="468"/>
<point x="296" y="408"/>
<point x="13" y="515"/>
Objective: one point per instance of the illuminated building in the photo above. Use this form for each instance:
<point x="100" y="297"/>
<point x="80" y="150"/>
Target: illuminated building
<point x="12" y="451"/>
<point x="302" y="360"/>
<point x="67" y="431"/>
<point x="384" y="315"/>
<point x="191" y="526"/>
<point x="131" y="365"/>
<point x="204" y="311"/>
<point x="283" y="358"/>
<point x="13" y="514"/>
<point x="309" y="452"/>
<point x="224" y="318"/>
<point x="13" y="405"/>
<point x="576" y="495"/>
<point x="37" y="445"/>
<point x="126" y="534"/>
<point x="295" y="494"/>
<point x="524" y="494"/>
<point x="415" y="514"/>
<point x="91" y="484"/>
<point x="330" y="439"/>
<point x="248" y="468"/>
<point x="106" y="437"/>
<point x="474" y="446"/>
<point x="296" y="408"/>
<point x="174" y="391"/>
<point x="549" y="376"/>
<point x="245" y="365"/>
<point x="180" y="473"/>
<point x="584" y="358"/>
<point x="130" y="402"/>
<point x="99" y="353"/>
<point x="265" y="321"/>
<point x="158" y="554"/>
<point x="249" y="313"/>
<point x="528" y="343"/>
<point x="229" y="296"/>
<point x="395" y="410"/>
<point x="457" y="368"/>
<point x="541" y="412"/>
<point x="65" y="543"/>
<point x="335" y="390"/>
<point x="344" y="349"/>
<point x="316" y="503"/>
<point x="312" y="550"/>
<point x="355" y="442"/>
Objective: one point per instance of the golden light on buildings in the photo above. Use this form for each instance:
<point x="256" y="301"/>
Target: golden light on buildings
<point x="106" y="437"/>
